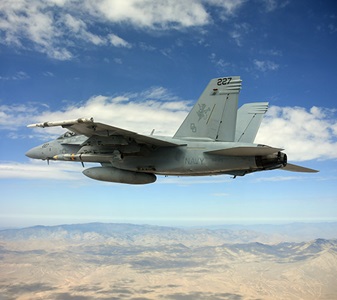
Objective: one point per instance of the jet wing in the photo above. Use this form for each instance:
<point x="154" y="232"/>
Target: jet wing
<point x="90" y="128"/>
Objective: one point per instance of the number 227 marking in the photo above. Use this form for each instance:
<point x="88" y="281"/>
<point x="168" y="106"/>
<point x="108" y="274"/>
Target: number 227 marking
<point x="224" y="81"/>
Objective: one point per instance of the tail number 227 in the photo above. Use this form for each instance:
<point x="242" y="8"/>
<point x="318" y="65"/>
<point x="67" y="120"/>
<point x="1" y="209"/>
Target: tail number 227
<point x="224" y="81"/>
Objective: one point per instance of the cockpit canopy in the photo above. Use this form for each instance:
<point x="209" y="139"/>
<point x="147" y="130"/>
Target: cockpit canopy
<point x="67" y="135"/>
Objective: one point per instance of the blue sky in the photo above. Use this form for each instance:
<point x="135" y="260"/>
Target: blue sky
<point x="142" y="65"/>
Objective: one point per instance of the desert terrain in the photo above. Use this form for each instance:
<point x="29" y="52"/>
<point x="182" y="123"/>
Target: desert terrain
<point x="139" y="262"/>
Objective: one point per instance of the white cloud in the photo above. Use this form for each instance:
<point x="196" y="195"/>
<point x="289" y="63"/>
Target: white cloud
<point x="14" y="116"/>
<point x="238" y="32"/>
<point x="193" y="180"/>
<point x="304" y="134"/>
<point x="141" y="112"/>
<point x="161" y="14"/>
<point x="221" y="195"/>
<point x="55" y="27"/>
<point x="48" y="74"/>
<point x="279" y="178"/>
<point x="17" y="76"/>
<point x="272" y="52"/>
<point x="24" y="20"/>
<point x="146" y="47"/>
<point x="118" y="61"/>
<point x="72" y="171"/>
<point x="117" y="41"/>
<point x="78" y="28"/>
<point x="271" y="5"/>
<point x="265" y="65"/>
<point x="40" y="170"/>
<point x="229" y="7"/>
<point x="221" y="65"/>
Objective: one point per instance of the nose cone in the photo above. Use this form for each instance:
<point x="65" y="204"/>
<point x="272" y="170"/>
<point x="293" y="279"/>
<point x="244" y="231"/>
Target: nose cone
<point x="34" y="153"/>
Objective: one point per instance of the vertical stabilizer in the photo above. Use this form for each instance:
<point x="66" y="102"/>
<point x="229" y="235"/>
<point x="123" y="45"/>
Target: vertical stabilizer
<point x="214" y="115"/>
<point x="249" y="119"/>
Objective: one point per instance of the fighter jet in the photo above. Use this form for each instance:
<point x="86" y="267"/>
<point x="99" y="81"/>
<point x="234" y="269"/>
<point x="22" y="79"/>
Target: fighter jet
<point x="215" y="138"/>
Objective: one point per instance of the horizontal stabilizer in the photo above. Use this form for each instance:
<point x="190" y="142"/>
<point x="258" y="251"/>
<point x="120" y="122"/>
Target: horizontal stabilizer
<point x="245" y="151"/>
<point x="295" y="168"/>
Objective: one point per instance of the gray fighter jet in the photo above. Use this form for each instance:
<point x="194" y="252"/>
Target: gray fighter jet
<point x="215" y="138"/>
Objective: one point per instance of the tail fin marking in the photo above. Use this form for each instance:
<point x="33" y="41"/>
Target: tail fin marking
<point x="214" y="114"/>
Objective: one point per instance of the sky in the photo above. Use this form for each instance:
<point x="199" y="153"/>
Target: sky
<point x="141" y="65"/>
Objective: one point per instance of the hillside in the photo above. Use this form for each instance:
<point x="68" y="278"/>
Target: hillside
<point x="125" y="261"/>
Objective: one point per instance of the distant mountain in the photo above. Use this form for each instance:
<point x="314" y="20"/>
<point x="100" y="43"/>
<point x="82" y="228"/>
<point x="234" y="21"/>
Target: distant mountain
<point x="282" y="251"/>
<point x="130" y="234"/>
<point x="295" y="232"/>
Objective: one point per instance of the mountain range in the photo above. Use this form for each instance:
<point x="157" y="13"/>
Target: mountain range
<point x="125" y="234"/>
<point x="142" y="262"/>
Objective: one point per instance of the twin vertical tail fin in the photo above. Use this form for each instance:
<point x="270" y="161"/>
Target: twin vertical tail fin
<point x="249" y="119"/>
<point x="214" y="116"/>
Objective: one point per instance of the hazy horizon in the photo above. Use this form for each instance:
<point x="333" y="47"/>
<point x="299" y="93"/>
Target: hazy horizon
<point x="172" y="223"/>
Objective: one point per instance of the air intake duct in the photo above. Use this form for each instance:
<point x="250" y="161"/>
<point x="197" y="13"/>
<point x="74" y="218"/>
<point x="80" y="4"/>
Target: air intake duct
<point x="271" y="161"/>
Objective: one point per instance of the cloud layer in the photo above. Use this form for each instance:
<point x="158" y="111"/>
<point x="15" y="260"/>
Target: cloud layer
<point x="56" y="27"/>
<point x="155" y="108"/>
<point x="39" y="170"/>
<point x="304" y="134"/>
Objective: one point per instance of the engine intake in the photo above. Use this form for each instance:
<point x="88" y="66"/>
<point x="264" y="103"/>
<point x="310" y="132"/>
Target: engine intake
<point x="271" y="161"/>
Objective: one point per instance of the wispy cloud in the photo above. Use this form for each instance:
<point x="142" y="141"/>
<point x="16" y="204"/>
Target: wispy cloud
<point x="72" y="171"/>
<point x="118" y="41"/>
<point x="192" y="180"/>
<point x="48" y="74"/>
<point x="40" y="170"/>
<point x="56" y="28"/>
<point x="239" y="31"/>
<point x="17" y="76"/>
<point x="228" y="7"/>
<point x="221" y="65"/>
<point x="271" y="5"/>
<point x="155" y="108"/>
<point x="79" y="29"/>
<point x="278" y="178"/>
<point x="220" y="195"/>
<point x="265" y="65"/>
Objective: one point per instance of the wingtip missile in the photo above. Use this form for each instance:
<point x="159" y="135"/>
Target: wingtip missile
<point x="62" y="123"/>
